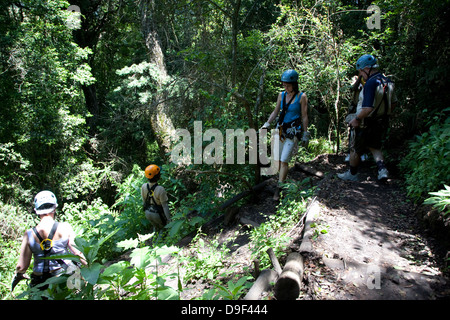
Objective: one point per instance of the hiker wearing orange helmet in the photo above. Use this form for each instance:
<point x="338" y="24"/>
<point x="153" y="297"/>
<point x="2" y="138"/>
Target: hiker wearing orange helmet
<point x="155" y="198"/>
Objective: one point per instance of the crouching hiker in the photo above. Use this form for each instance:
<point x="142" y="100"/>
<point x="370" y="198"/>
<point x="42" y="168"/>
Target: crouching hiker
<point x="47" y="239"/>
<point x="155" y="198"/>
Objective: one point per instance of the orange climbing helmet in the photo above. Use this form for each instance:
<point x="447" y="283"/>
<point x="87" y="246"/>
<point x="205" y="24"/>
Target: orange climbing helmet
<point x="151" y="171"/>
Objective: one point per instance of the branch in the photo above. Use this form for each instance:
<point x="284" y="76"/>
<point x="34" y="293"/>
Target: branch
<point x="219" y="8"/>
<point x="262" y="284"/>
<point x="275" y="263"/>
<point x="234" y="93"/>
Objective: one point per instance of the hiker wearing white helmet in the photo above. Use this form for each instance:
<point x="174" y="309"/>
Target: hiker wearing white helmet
<point x="47" y="239"/>
<point x="292" y="124"/>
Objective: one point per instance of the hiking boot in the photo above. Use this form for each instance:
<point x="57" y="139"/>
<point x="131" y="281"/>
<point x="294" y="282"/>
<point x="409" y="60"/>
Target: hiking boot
<point x="276" y="196"/>
<point x="383" y="174"/>
<point x="348" y="176"/>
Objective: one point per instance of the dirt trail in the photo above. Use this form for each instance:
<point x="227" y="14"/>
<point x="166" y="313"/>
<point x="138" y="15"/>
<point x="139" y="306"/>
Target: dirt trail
<point x="363" y="240"/>
<point x="366" y="241"/>
<point x="375" y="246"/>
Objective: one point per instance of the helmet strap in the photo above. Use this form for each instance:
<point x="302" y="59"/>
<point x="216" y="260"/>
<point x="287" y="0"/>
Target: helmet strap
<point x="367" y="74"/>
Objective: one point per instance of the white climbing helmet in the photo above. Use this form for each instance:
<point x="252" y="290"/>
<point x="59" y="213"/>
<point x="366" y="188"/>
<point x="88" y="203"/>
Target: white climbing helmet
<point x="45" y="202"/>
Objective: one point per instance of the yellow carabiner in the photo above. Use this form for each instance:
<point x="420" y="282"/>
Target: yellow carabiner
<point x="42" y="244"/>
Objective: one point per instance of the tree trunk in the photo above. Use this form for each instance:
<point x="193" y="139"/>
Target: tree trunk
<point x="289" y="283"/>
<point x="159" y="111"/>
<point x="262" y="284"/>
<point x="234" y="42"/>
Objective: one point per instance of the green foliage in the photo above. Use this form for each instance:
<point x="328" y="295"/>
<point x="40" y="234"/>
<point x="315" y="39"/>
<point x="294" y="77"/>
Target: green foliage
<point x="44" y="116"/>
<point x="139" y="277"/>
<point x="275" y="232"/>
<point x="427" y="165"/>
<point x="206" y="258"/>
<point x="14" y="220"/>
<point x="233" y="291"/>
<point x="13" y="172"/>
<point x="440" y="200"/>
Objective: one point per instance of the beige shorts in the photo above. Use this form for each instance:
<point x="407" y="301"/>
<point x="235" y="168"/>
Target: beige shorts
<point x="284" y="150"/>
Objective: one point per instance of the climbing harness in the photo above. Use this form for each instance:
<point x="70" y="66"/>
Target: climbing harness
<point x="287" y="130"/>
<point x="46" y="246"/>
<point x="150" y="206"/>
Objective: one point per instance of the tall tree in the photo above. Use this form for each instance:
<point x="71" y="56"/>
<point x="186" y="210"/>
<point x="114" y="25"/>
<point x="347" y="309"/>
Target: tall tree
<point x="161" y="122"/>
<point x="41" y="86"/>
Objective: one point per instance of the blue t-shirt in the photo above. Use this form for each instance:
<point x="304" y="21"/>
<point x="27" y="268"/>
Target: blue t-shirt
<point x="294" y="110"/>
<point x="370" y="89"/>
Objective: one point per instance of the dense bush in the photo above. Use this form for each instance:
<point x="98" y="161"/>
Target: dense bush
<point x="427" y="165"/>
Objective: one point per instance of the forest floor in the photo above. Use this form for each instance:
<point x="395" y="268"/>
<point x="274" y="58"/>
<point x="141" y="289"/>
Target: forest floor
<point x="367" y="241"/>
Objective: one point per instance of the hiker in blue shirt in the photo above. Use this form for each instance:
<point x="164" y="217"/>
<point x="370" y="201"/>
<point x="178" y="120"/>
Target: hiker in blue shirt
<point x="371" y="121"/>
<point x="292" y="124"/>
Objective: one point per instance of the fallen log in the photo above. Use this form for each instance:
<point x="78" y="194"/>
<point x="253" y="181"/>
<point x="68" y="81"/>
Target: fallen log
<point x="246" y="222"/>
<point x="245" y="193"/>
<point x="262" y="284"/>
<point x="301" y="222"/>
<point x="289" y="283"/>
<point x="274" y="260"/>
<point x="225" y="173"/>
<point x="188" y="238"/>
<point x="256" y="271"/>
<point x="230" y="216"/>
<point x="309" y="170"/>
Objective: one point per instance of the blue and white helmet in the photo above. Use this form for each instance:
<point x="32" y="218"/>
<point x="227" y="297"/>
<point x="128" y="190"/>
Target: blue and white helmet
<point x="365" y="61"/>
<point x="289" y="76"/>
<point x="45" y="202"/>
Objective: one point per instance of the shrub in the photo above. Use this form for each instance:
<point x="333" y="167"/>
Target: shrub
<point x="427" y="166"/>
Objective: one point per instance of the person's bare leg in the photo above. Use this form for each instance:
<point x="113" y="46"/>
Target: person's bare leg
<point x="284" y="168"/>
<point x="355" y="159"/>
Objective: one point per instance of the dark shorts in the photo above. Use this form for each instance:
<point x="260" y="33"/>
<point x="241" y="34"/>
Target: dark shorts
<point x="36" y="280"/>
<point x="371" y="136"/>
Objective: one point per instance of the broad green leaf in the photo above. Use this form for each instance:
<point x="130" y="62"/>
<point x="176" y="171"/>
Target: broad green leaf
<point x="91" y="274"/>
<point x="128" y="244"/>
<point x="140" y="257"/>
